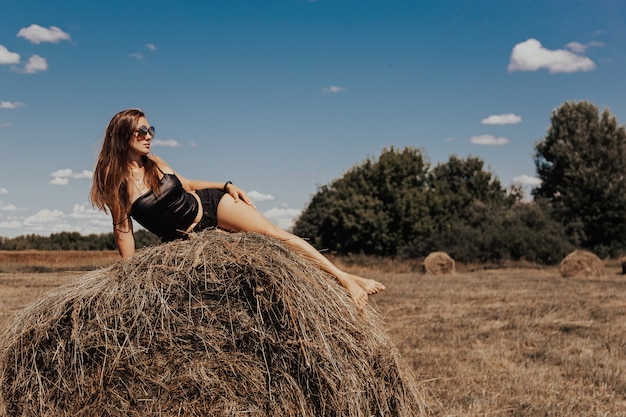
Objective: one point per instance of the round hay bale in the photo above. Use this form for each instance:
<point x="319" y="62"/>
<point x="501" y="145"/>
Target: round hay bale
<point x="218" y="325"/>
<point x="582" y="264"/>
<point x="439" y="263"/>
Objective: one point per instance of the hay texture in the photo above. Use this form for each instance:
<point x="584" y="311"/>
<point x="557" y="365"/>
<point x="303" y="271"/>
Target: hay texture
<point x="218" y="325"/>
<point x="439" y="263"/>
<point x="582" y="264"/>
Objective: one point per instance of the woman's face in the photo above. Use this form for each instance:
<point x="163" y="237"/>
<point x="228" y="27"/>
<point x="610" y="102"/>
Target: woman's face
<point x="142" y="137"/>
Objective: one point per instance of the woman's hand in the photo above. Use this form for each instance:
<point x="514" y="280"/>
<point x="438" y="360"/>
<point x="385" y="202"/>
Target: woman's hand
<point x="238" y="194"/>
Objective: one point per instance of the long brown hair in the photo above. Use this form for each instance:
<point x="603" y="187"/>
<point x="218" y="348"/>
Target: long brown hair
<point x="109" y="189"/>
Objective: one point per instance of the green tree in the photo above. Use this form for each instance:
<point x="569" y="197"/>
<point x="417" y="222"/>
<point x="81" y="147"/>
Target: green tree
<point x="527" y="231"/>
<point x="142" y="238"/>
<point x="375" y="208"/>
<point x="458" y="183"/>
<point x="74" y="241"/>
<point x="464" y="200"/>
<point x="582" y="165"/>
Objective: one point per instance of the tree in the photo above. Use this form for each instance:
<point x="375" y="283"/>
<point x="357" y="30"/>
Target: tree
<point x="375" y="208"/>
<point x="464" y="201"/>
<point x="459" y="182"/>
<point x="582" y="165"/>
<point x="527" y="231"/>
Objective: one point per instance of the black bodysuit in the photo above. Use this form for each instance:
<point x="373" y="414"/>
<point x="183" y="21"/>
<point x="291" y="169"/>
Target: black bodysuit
<point x="168" y="215"/>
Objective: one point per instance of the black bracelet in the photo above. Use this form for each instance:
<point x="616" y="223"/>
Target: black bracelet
<point x="226" y="186"/>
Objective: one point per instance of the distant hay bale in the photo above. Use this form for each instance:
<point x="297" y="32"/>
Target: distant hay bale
<point x="439" y="263"/>
<point x="582" y="264"/>
<point x="218" y="325"/>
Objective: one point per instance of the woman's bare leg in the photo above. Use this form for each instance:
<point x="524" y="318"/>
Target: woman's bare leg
<point x="240" y="217"/>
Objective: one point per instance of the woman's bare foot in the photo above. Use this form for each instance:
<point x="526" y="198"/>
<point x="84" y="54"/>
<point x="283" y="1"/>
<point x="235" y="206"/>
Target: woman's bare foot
<point x="370" y="286"/>
<point x="358" y="294"/>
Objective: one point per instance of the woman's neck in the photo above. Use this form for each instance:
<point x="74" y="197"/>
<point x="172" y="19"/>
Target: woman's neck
<point x="136" y="162"/>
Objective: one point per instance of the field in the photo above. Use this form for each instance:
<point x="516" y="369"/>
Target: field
<point x="516" y="341"/>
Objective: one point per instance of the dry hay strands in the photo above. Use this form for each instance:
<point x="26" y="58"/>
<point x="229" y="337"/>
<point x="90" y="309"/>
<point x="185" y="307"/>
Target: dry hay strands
<point x="582" y="264"/>
<point x="220" y="324"/>
<point x="439" y="263"/>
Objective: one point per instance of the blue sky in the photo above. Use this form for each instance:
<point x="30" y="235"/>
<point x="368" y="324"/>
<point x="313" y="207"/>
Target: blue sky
<point x="282" y="96"/>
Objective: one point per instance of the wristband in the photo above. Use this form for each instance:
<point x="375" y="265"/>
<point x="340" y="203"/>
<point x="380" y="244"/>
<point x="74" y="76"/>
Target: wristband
<point x="226" y="186"/>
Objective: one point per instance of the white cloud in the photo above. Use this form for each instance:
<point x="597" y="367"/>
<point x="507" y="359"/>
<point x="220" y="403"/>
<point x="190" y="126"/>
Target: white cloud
<point x="68" y="173"/>
<point x="43" y="216"/>
<point x="38" y="34"/>
<point x="580" y="48"/>
<point x="258" y="197"/>
<point x="62" y="176"/>
<point x="8" y="207"/>
<point x="62" y="173"/>
<point x="576" y="47"/>
<point x="169" y="142"/>
<point x="85" y="211"/>
<point x="35" y="64"/>
<point x="530" y="55"/>
<point x="139" y="56"/>
<point x="46" y="222"/>
<point x="10" y="104"/>
<point x="7" y="57"/>
<point x="282" y="217"/>
<point x="526" y="180"/>
<point x="83" y="219"/>
<point x="502" y="119"/>
<point x="13" y="224"/>
<point x="59" y="181"/>
<point x="4" y="191"/>
<point x="5" y="124"/>
<point x="488" y="140"/>
<point x="83" y="175"/>
<point x="334" y="89"/>
<point x="90" y="220"/>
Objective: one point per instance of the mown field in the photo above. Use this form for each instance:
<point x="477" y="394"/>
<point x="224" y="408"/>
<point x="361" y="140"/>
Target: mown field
<point x="517" y="341"/>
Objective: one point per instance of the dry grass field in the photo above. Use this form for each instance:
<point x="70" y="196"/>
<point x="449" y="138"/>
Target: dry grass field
<point x="54" y="261"/>
<point x="486" y="342"/>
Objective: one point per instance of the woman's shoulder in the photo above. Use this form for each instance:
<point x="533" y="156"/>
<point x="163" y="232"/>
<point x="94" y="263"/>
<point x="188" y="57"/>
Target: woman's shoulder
<point x="156" y="159"/>
<point x="161" y="164"/>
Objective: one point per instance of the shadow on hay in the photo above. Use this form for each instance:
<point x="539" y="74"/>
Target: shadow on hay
<point x="221" y="324"/>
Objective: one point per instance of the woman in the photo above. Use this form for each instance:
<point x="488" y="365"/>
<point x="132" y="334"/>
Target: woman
<point x="130" y="182"/>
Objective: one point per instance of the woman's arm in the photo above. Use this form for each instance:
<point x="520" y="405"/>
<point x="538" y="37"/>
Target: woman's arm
<point x="193" y="185"/>
<point x="124" y="237"/>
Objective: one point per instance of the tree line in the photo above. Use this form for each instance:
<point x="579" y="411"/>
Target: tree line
<point x="73" y="241"/>
<point x="398" y="205"/>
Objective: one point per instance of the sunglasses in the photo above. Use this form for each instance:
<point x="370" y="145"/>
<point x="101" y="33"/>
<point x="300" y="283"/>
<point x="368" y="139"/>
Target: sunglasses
<point x="143" y="131"/>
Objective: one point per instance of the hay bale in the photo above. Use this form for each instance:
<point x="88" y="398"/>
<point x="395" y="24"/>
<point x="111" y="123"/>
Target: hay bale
<point x="439" y="263"/>
<point x="582" y="264"/>
<point x="221" y="324"/>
